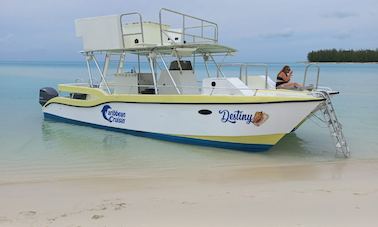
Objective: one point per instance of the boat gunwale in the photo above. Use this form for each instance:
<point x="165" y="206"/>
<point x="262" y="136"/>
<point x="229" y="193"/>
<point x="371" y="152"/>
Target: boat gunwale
<point x="99" y="97"/>
<point x="175" y="103"/>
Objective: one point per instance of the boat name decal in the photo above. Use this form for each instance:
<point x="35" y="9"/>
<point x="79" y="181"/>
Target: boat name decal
<point x="257" y="119"/>
<point x="113" y="115"/>
<point x="235" y="116"/>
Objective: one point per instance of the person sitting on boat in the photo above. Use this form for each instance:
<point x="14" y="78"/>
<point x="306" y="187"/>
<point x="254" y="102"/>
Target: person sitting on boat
<point x="283" y="79"/>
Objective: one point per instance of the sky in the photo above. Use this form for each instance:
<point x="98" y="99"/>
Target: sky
<point x="261" y="31"/>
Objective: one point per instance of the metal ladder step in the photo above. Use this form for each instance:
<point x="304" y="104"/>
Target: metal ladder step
<point x="334" y="125"/>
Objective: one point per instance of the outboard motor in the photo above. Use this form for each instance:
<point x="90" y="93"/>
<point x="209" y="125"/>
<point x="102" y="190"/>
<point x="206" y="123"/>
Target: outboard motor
<point x="45" y="94"/>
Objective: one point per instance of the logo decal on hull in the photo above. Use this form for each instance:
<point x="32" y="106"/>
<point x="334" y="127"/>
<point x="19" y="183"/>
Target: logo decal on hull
<point x="238" y="115"/>
<point x="113" y="115"/>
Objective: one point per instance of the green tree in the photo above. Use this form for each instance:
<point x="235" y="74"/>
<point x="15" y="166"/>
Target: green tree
<point x="333" y="55"/>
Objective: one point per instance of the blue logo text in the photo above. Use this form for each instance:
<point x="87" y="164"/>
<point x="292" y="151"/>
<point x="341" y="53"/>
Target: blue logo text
<point x="113" y="115"/>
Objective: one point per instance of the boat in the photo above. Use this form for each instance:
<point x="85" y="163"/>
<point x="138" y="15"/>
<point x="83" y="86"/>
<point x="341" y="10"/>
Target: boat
<point x="164" y="95"/>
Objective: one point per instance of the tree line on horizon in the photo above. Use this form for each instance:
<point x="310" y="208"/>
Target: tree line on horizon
<point x="333" y="55"/>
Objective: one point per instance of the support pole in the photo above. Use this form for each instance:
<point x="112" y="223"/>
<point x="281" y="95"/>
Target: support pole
<point x="121" y="63"/>
<point x="138" y="63"/>
<point x="207" y="69"/>
<point x="150" y="59"/>
<point x="170" y="75"/>
<point x="205" y="59"/>
<point x="102" y="75"/>
<point x="219" y="70"/>
<point x="106" y="65"/>
<point x="178" y="61"/>
<point x="87" y="58"/>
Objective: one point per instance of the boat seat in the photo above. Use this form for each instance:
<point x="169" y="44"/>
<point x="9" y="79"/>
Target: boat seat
<point x="258" y="82"/>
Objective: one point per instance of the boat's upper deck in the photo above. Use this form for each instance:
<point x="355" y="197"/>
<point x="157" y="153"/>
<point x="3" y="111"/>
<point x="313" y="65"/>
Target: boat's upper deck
<point x="180" y="51"/>
<point x="130" y="33"/>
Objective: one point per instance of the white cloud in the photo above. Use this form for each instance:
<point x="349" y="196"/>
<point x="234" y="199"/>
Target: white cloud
<point x="285" y="33"/>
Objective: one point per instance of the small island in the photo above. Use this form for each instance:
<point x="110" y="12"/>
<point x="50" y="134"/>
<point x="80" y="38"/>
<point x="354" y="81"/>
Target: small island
<point x="333" y="55"/>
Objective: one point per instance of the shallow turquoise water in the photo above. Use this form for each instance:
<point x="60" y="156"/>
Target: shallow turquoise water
<point x="33" y="149"/>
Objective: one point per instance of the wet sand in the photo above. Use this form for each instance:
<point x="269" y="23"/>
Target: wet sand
<point x="340" y="193"/>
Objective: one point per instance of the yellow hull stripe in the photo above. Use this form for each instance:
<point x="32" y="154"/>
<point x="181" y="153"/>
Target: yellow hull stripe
<point x="98" y="96"/>
<point x="264" y="139"/>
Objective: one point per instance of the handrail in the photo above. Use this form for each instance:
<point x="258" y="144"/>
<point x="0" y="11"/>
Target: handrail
<point x="202" y="26"/>
<point x="240" y="65"/>
<point x="317" y="77"/>
<point x="115" y="84"/>
<point x="118" y="84"/>
<point x="135" y="33"/>
<point x="184" y="28"/>
<point x="191" y="35"/>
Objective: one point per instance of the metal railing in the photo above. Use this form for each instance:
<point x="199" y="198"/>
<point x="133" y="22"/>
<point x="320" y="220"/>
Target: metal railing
<point x="184" y="32"/>
<point x="243" y="70"/>
<point x="114" y="85"/>
<point x="131" y="34"/>
<point x="317" y="76"/>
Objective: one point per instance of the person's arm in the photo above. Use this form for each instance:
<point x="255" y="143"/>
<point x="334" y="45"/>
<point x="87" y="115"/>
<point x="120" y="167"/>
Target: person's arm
<point x="290" y="74"/>
<point x="285" y="77"/>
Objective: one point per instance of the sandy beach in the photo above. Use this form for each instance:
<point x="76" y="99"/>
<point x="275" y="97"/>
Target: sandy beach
<point x="340" y="193"/>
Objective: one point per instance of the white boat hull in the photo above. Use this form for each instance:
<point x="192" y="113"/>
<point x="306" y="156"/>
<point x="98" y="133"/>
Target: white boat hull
<point x="221" y="125"/>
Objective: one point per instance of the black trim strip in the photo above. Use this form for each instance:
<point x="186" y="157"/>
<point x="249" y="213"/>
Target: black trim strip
<point x="180" y="103"/>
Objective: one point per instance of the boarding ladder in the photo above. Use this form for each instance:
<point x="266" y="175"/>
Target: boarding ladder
<point x="333" y="124"/>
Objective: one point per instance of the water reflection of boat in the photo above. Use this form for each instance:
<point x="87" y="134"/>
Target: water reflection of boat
<point x="57" y="134"/>
<point x="243" y="112"/>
